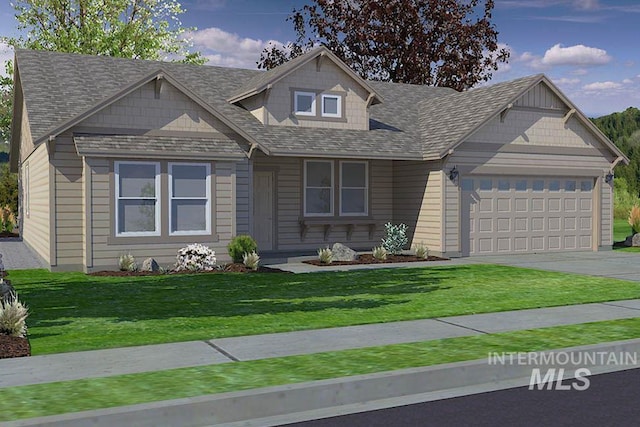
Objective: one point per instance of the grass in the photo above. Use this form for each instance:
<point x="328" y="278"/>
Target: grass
<point x="72" y="396"/>
<point x="73" y="312"/>
<point x="622" y="229"/>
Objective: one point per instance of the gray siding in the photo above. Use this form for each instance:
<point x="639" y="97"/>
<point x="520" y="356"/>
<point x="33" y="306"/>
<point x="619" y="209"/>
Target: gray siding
<point x="417" y="201"/>
<point x="106" y="249"/>
<point x="288" y="172"/>
<point x="541" y="97"/>
<point x="242" y="197"/>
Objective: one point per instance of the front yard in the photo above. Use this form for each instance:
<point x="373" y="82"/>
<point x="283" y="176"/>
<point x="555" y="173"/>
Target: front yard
<point x="73" y="311"/>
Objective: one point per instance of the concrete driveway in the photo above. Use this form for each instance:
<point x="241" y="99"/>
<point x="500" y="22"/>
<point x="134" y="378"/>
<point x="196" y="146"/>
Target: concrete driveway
<point x="614" y="264"/>
<point x="17" y="256"/>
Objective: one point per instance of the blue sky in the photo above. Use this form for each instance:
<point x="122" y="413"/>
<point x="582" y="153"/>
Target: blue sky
<point x="589" y="48"/>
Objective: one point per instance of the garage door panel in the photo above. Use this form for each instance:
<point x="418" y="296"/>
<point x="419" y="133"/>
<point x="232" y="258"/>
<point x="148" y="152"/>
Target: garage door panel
<point x="517" y="214"/>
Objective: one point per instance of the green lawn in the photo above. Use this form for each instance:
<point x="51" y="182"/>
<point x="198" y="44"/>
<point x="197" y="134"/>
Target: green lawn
<point x="622" y="229"/>
<point x="72" y="311"/>
<point x="87" y="394"/>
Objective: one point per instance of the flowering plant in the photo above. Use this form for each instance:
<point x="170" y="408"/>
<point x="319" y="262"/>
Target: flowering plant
<point x="196" y="257"/>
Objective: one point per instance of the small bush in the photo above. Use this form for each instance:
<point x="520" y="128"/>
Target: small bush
<point x="422" y="251"/>
<point x="379" y="253"/>
<point x="127" y="262"/>
<point x="325" y="255"/>
<point x="196" y="257"/>
<point x="13" y="317"/>
<point x="634" y="219"/>
<point x="623" y="199"/>
<point x="395" y="238"/>
<point x="7" y="219"/>
<point x="251" y="260"/>
<point x="241" y="245"/>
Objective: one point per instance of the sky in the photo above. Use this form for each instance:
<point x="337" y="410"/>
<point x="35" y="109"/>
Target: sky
<point x="589" y="48"/>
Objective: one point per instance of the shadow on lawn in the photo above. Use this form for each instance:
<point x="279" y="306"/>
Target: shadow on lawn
<point x="224" y="295"/>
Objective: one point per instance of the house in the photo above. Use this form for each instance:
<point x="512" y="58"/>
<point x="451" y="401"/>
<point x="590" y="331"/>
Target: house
<point x="119" y="155"/>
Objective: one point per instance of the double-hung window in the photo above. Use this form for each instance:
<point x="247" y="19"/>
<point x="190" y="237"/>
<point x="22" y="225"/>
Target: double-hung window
<point x="331" y="105"/>
<point x="137" y="198"/>
<point x="190" y="198"/>
<point x="304" y="103"/>
<point x="354" y="191"/>
<point x="318" y="188"/>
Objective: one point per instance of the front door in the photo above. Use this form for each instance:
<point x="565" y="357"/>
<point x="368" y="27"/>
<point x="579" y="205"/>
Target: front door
<point x="263" y="209"/>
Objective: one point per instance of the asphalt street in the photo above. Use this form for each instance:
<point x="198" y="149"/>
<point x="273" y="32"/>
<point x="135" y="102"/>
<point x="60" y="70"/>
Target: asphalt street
<point x="611" y="400"/>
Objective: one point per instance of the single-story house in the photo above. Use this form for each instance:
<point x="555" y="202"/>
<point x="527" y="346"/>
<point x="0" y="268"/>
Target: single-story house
<point x="129" y="156"/>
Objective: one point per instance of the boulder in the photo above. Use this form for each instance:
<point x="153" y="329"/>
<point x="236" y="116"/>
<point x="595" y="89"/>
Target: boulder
<point x="635" y="240"/>
<point x="6" y="290"/>
<point x="343" y="253"/>
<point x="150" y="264"/>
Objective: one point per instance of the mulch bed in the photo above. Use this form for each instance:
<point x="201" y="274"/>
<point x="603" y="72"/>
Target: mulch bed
<point x="4" y="234"/>
<point x="229" y="268"/>
<point x="14" y="347"/>
<point x="369" y="259"/>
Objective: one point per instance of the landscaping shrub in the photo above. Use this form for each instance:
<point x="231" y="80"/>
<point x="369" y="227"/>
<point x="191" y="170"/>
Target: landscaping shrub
<point x="379" y="253"/>
<point x="13" y="316"/>
<point x="422" y="251"/>
<point x="127" y="262"/>
<point x="251" y="260"/>
<point x="623" y="199"/>
<point x="325" y="255"/>
<point x="241" y="245"/>
<point x="634" y="219"/>
<point x="196" y="257"/>
<point x="395" y="238"/>
<point x="7" y="219"/>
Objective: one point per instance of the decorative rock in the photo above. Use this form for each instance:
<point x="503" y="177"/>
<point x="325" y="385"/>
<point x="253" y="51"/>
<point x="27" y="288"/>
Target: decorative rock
<point x="343" y="253"/>
<point x="6" y="290"/>
<point x="150" y="264"/>
<point x="635" y="240"/>
<point x="628" y="241"/>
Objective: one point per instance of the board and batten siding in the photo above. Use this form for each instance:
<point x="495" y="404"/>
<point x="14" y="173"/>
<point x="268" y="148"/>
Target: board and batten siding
<point x="242" y="194"/>
<point x="417" y="201"/>
<point x="289" y="193"/>
<point x="36" y="229"/>
<point x="105" y="248"/>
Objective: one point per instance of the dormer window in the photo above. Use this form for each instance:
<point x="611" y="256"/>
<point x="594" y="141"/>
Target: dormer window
<point x="305" y="103"/>
<point x="331" y="106"/>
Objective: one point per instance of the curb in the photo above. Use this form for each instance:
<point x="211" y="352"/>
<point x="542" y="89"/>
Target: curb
<point x="317" y="399"/>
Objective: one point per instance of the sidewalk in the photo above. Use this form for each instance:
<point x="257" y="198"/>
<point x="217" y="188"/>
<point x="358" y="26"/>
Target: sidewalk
<point x="119" y="361"/>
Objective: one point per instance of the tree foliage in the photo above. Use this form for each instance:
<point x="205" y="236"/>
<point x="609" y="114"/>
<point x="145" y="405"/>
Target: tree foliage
<point x="448" y="43"/>
<point x="624" y="130"/>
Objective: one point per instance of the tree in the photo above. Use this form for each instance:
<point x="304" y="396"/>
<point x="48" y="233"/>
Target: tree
<point x="448" y="43"/>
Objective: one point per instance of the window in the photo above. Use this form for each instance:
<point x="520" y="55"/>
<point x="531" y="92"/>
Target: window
<point x="538" y="185"/>
<point x="504" y="185"/>
<point x="137" y="198"/>
<point x="486" y="184"/>
<point x="26" y="191"/>
<point x="586" y="186"/>
<point x="305" y="103"/>
<point x="331" y="106"/>
<point x="554" y="185"/>
<point x="521" y="185"/>
<point x="570" y="185"/>
<point x="318" y="188"/>
<point x="190" y="198"/>
<point x="354" y="194"/>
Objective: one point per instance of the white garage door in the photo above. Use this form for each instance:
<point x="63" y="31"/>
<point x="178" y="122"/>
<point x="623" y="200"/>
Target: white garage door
<point x="523" y="214"/>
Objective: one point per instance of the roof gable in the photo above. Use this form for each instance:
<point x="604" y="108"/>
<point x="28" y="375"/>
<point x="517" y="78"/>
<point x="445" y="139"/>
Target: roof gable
<point x="266" y="79"/>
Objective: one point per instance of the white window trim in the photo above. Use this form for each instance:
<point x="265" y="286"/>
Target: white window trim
<point x="207" y="206"/>
<point x="366" y="189"/>
<point x="331" y="188"/>
<point x="329" y="95"/>
<point x="157" y="231"/>
<point x="313" y="103"/>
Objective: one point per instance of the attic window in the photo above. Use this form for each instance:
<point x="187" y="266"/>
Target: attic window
<point x="305" y="103"/>
<point x="331" y="106"/>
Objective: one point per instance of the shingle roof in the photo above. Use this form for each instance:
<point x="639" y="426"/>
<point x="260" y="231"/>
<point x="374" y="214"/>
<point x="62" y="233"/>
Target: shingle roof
<point x="156" y="146"/>
<point x="414" y="122"/>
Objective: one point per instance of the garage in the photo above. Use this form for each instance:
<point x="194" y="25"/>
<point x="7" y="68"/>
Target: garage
<point x="516" y="214"/>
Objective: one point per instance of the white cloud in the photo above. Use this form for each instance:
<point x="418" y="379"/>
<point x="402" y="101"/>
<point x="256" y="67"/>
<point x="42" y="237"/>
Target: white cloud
<point x="579" y="72"/>
<point x="564" y="81"/>
<point x="533" y="61"/>
<point x="627" y="81"/>
<point x="575" y="55"/>
<point x="599" y="86"/>
<point x="228" y="49"/>
<point x="586" y="4"/>
<point x="6" y="53"/>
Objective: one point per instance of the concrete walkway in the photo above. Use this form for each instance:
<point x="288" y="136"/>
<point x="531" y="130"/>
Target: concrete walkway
<point x="613" y="264"/>
<point x="104" y="363"/>
<point x="16" y="255"/>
